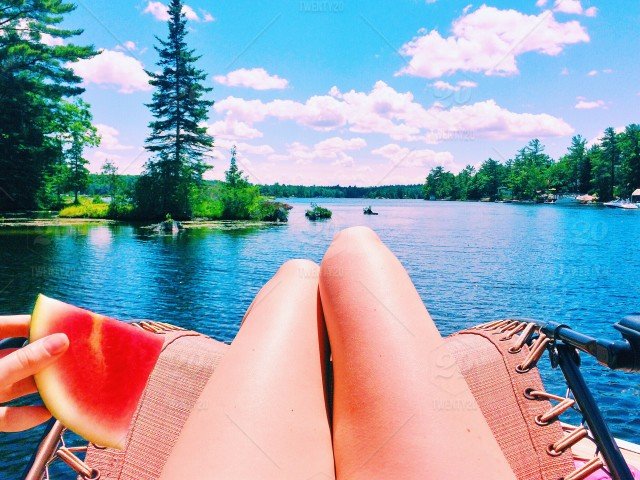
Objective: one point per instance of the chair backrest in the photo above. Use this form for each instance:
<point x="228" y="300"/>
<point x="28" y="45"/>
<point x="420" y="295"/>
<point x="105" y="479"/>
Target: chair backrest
<point x="489" y="364"/>
<point x="187" y="361"/>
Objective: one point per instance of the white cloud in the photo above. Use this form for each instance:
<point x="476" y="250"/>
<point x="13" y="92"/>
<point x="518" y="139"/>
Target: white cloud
<point x="190" y="13"/>
<point x="541" y="3"/>
<point x="574" y="7"/>
<point x="584" y="104"/>
<point x="51" y="40"/>
<point x="405" y="157"/>
<point x="129" y="45"/>
<point x="110" y="138"/>
<point x="160" y="12"/>
<point x="234" y="129"/>
<point x="255" y="78"/>
<point x="127" y="158"/>
<point x="591" y="12"/>
<point x="385" y="111"/>
<point x="254" y="149"/>
<point x="568" y="6"/>
<point x="111" y="67"/>
<point x="333" y="145"/>
<point x="333" y="149"/>
<point x="467" y="84"/>
<point x="223" y="146"/>
<point x="593" y="73"/>
<point x="442" y="85"/>
<point x="489" y="40"/>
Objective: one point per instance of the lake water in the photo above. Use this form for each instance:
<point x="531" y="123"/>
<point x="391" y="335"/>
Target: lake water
<point x="471" y="262"/>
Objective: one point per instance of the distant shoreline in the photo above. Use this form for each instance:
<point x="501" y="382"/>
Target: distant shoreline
<point x="51" y="218"/>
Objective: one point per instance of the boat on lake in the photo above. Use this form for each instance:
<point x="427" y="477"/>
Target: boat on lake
<point x="619" y="203"/>
<point x="369" y="211"/>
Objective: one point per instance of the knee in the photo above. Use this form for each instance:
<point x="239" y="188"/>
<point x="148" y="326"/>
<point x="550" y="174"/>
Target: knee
<point x="356" y="235"/>
<point x="347" y="245"/>
<point x="300" y="267"/>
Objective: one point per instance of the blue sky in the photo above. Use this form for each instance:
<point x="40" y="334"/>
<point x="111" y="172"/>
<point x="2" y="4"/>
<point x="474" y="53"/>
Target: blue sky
<point x="355" y="92"/>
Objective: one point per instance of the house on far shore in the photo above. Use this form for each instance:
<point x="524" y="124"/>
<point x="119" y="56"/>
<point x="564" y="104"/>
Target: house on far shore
<point x="635" y="196"/>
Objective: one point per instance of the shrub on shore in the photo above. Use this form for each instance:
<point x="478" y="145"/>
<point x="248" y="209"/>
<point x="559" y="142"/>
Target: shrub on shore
<point x="239" y="202"/>
<point x="121" y="210"/>
<point x="272" y="211"/>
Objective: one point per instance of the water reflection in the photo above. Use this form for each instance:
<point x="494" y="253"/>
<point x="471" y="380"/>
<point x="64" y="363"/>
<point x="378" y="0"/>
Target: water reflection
<point x="100" y="237"/>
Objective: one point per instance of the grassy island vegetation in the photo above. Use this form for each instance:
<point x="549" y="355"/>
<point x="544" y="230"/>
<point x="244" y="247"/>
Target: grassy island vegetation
<point x="316" y="212"/>
<point x="86" y="208"/>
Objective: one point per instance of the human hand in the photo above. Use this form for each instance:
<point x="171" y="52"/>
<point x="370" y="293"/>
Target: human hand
<point x="17" y="366"/>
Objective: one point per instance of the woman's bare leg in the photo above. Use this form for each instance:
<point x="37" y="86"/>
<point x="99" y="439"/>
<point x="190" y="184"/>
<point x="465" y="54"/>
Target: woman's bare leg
<point x="263" y="414"/>
<point x="389" y="419"/>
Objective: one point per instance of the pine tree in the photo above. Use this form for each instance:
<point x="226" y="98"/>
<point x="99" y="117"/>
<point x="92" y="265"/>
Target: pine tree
<point x="489" y="179"/>
<point x="576" y="162"/>
<point x="109" y="172"/>
<point x="439" y="184"/>
<point x="630" y="153"/>
<point x="528" y="175"/>
<point x="234" y="176"/>
<point x="81" y="133"/>
<point x="240" y="199"/>
<point x="36" y="83"/>
<point x="178" y="142"/>
<point x="600" y="173"/>
<point x="610" y="155"/>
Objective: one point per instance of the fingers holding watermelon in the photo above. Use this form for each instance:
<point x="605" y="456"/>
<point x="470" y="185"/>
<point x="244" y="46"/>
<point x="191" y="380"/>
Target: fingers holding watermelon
<point x="17" y="389"/>
<point x="14" y="326"/>
<point x="26" y="361"/>
<point x="17" y="419"/>
<point x="17" y="367"/>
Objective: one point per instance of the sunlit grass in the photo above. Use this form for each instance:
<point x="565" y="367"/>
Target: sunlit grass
<point x="85" y="209"/>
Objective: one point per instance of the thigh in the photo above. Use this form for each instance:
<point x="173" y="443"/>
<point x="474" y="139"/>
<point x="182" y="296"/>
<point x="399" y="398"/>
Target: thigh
<point x="388" y="417"/>
<point x="263" y="414"/>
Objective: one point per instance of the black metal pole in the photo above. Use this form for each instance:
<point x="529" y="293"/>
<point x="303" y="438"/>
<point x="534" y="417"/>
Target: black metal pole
<point x="568" y="361"/>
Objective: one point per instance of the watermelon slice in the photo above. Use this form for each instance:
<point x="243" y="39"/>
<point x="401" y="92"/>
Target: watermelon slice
<point x="94" y="388"/>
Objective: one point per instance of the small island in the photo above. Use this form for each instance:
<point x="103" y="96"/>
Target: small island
<point x="120" y="198"/>
<point x="317" y="212"/>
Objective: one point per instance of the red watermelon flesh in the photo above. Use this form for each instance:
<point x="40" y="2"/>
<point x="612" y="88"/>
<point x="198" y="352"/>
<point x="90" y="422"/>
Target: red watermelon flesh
<point x="94" y="388"/>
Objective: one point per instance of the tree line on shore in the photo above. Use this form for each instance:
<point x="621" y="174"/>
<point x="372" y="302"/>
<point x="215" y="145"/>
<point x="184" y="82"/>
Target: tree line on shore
<point x="610" y="168"/>
<point x="338" y="191"/>
<point x="108" y="183"/>
<point x="45" y="127"/>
